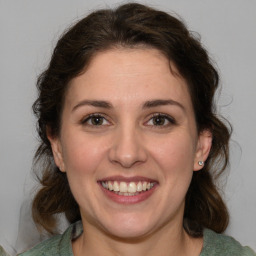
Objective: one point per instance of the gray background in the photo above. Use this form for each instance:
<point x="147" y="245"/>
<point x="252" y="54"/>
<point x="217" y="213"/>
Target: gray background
<point x="28" y="32"/>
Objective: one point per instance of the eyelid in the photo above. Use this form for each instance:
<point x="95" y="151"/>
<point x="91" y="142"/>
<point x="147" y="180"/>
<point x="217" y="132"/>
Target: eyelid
<point x="170" y="119"/>
<point x="85" y="119"/>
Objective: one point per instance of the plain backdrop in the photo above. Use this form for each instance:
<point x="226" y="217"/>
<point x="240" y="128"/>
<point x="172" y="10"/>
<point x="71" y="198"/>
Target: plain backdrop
<point x="29" y="30"/>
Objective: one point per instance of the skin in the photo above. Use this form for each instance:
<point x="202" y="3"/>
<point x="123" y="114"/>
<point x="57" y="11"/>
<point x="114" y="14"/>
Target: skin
<point x="128" y="143"/>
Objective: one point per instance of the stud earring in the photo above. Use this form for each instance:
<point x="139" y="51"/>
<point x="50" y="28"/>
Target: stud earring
<point x="201" y="163"/>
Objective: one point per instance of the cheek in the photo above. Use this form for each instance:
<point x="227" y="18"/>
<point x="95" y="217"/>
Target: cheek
<point x="174" y="158"/>
<point x="174" y="154"/>
<point x="82" y="156"/>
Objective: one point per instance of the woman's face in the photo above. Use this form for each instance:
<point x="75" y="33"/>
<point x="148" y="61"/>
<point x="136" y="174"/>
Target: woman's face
<point x="129" y="143"/>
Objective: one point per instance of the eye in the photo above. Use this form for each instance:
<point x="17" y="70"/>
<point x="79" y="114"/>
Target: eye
<point x="95" y="120"/>
<point x="160" y="120"/>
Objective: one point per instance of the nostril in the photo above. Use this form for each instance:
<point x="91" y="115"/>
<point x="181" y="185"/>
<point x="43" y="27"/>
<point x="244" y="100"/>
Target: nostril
<point x="127" y="159"/>
<point x="127" y="148"/>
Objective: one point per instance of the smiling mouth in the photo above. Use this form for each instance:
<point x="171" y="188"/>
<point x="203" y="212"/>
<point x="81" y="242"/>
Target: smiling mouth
<point x="123" y="188"/>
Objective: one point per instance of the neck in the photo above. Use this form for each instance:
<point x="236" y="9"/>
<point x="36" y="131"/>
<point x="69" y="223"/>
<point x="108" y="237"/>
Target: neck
<point x="164" y="242"/>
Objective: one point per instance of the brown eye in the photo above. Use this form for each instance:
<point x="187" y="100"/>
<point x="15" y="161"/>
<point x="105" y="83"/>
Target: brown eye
<point x="95" y="120"/>
<point x="160" y="120"/>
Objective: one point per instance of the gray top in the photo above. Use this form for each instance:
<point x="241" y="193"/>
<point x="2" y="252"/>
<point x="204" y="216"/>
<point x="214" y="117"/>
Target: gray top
<point x="214" y="244"/>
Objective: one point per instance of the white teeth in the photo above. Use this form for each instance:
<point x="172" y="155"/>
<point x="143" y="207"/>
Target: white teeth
<point x="110" y="186"/>
<point x="116" y="186"/>
<point x="132" y="187"/>
<point x="127" y="189"/>
<point x="123" y="187"/>
<point x="144" y="186"/>
<point x="139" y="186"/>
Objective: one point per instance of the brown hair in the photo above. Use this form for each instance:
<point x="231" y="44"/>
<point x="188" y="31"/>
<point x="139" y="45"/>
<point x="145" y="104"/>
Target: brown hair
<point x="130" y="25"/>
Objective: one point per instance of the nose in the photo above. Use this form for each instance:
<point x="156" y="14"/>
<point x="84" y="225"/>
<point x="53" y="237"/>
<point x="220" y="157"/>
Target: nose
<point x="127" y="149"/>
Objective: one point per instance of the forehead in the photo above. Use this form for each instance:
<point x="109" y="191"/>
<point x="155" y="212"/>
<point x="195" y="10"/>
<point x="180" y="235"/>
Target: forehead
<point x="119" y="74"/>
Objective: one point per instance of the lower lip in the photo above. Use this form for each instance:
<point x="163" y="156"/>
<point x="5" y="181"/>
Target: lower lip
<point x="128" y="199"/>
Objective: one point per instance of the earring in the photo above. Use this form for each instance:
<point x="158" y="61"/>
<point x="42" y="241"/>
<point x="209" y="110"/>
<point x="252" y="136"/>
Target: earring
<point x="201" y="163"/>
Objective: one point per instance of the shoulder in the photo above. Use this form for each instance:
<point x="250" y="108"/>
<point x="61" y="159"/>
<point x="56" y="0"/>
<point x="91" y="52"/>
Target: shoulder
<point x="219" y="244"/>
<point x="56" y="245"/>
<point x="47" y="247"/>
<point x="2" y="251"/>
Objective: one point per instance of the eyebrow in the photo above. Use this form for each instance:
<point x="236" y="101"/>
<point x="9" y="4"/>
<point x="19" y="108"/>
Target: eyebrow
<point x="160" y="102"/>
<point x="147" y="104"/>
<point x="94" y="103"/>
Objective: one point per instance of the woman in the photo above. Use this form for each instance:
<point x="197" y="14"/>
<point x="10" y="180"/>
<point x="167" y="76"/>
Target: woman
<point x="130" y="142"/>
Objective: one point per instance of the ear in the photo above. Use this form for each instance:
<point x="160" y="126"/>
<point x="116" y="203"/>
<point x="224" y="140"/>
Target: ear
<point x="56" y="150"/>
<point x="204" y="145"/>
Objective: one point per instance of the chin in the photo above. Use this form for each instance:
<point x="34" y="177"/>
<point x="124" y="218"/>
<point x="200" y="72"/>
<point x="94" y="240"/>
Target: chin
<point x="130" y="228"/>
<point x="128" y="233"/>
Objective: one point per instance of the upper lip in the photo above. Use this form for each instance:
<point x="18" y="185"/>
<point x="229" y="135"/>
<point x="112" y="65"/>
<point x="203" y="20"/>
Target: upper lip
<point x="127" y="179"/>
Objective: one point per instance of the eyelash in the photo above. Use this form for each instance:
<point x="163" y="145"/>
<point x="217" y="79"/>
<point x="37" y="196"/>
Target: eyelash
<point x="86" y="120"/>
<point x="171" y="120"/>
